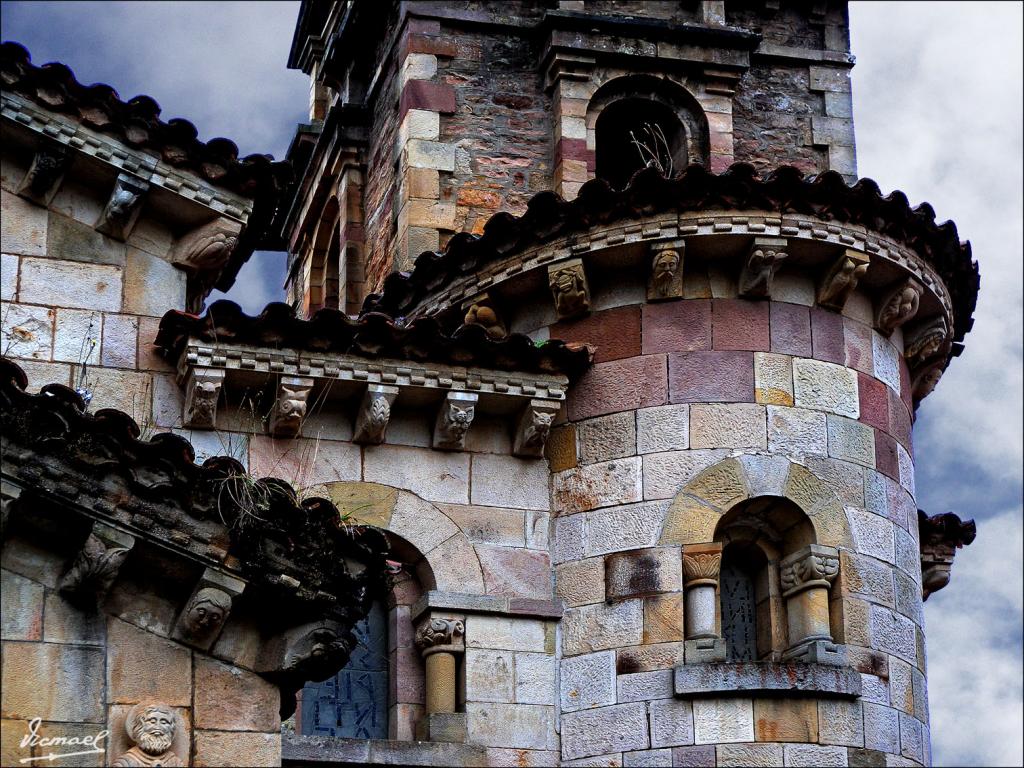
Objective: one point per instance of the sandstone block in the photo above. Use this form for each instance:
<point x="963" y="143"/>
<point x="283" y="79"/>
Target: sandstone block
<point x="901" y="685"/>
<point x="645" y="686"/>
<point x="231" y="699"/>
<point x="874" y="534"/>
<point x="797" y="431"/>
<point x="665" y="428"/>
<point x="27" y="332"/>
<point x="665" y="473"/>
<point x="23" y="228"/>
<point x="710" y="377"/>
<point x="908" y="554"/>
<point x="223" y="748"/>
<point x="599" y="627"/>
<point x="866" y="576"/>
<point x="168" y="667"/>
<point x="732" y="425"/>
<point x="643" y="572"/>
<point x="813" y="755"/>
<point x="77" y="336"/>
<point x="647" y="758"/>
<point x="790" y="329"/>
<point x="634" y="525"/>
<point x="874" y="689"/>
<point x="716" y="721"/>
<point x="81" y="731"/>
<point x="119" y="346"/>
<point x="420" y="124"/>
<point x="738" y="324"/>
<point x="151" y="285"/>
<point x="587" y="681"/>
<point x="827" y="336"/>
<point x="535" y="678"/>
<point x="844" y="478"/>
<point x="645" y="658"/>
<point x="604" y="731"/>
<point x="677" y="326"/>
<point x="851" y="441"/>
<point x="607" y="437"/>
<point x="885" y="360"/>
<point x="702" y="756"/>
<point x="516" y="726"/>
<point x="615" y="332"/>
<point x="773" y="378"/>
<point x="65" y="623"/>
<point x="785" y="720"/>
<point x="912" y="737"/>
<point x="881" y="728"/>
<point x="55" y="682"/>
<point x="874" y="401"/>
<point x="621" y="385"/>
<point x="8" y="276"/>
<point x="126" y="391"/>
<point x="490" y="675"/>
<point x="489" y="525"/>
<point x="429" y="214"/>
<point x="521" y="758"/>
<point x="43" y="373"/>
<point x="21" y="600"/>
<point x="671" y="723"/>
<point x="454" y="569"/>
<point x="906" y="470"/>
<point x="569" y="539"/>
<point x="825" y="387"/>
<point x="506" y="481"/>
<point x="436" y="155"/>
<point x="504" y="633"/>
<point x="858" y="346"/>
<point x="433" y="475"/>
<point x="597" y="485"/>
<point x="515" y="572"/>
<point x="560" y="449"/>
<point x="840" y="722"/>
<point x="75" y="241"/>
<point x="580" y="582"/>
<point x="70" y="284"/>
<point x="869" y="758"/>
<point x="749" y="755"/>
<point x="663" y="619"/>
<point x="887" y="458"/>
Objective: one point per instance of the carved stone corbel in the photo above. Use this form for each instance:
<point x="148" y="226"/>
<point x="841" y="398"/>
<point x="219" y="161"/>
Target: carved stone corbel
<point x="763" y="261"/>
<point x="43" y="178"/>
<point x="899" y="306"/>
<point x="941" y="536"/>
<point x="568" y="283"/>
<point x="97" y="564"/>
<point x="290" y="407"/>
<point x="841" y="280"/>
<point x="9" y="494"/>
<point x="924" y="380"/>
<point x="374" y="414"/>
<point x="207" y="248"/>
<point x="453" y="420"/>
<point x="201" y="395"/>
<point x="480" y="311"/>
<point x="312" y="651"/>
<point x="666" y="278"/>
<point x="206" y="612"/>
<point x="534" y="427"/>
<point x="924" y="341"/>
<point x="123" y="207"/>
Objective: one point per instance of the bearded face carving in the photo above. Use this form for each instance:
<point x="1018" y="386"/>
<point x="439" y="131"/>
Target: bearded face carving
<point x="666" y="275"/>
<point x="151" y="727"/>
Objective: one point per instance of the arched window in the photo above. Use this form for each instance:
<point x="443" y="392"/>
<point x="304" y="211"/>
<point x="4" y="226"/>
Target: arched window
<point x="741" y="566"/>
<point x="322" y="289"/>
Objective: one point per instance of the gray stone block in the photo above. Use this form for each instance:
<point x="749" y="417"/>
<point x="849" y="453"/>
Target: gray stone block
<point x="645" y="686"/>
<point x="643" y="572"/>
<point x="445" y="727"/>
<point x="648" y="758"/>
<point x="881" y="728"/>
<point x="749" y="755"/>
<point x="587" y="681"/>
<point x="671" y="723"/>
<point x="841" y="722"/>
<point x="704" y="651"/>
<point x="813" y="755"/>
<point x="621" y="728"/>
<point x="724" y="720"/>
<point x="692" y="680"/>
<point x="701" y="756"/>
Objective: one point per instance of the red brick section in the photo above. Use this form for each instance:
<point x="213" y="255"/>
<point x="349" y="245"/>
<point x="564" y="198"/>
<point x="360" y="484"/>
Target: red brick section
<point x="887" y="460"/>
<point x="827" y="336"/>
<point x="874" y="401"/>
<point x="738" y="324"/>
<point x="620" y="385"/>
<point x="427" y="95"/>
<point x="791" y="329"/>
<point x="677" y="326"/>
<point x="615" y="332"/>
<point x="900" y="421"/>
<point x="857" y="339"/>
<point x="711" y="377"/>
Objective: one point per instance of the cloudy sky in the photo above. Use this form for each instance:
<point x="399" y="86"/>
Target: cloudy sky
<point x="937" y="105"/>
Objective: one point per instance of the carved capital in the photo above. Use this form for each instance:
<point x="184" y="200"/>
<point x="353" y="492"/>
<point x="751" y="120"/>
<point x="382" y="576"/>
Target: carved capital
<point x="441" y="634"/>
<point x="534" y="427"/>
<point x="207" y="248"/>
<point x="43" y="178"/>
<point x="97" y="564"/>
<point x="453" y="420"/>
<point x="924" y="341"/>
<point x="842" y="278"/>
<point x="480" y="311"/>
<point x="568" y="283"/>
<point x="290" y="407"/>
<point x="899" y="306"/>
<point x="812" y="566"/>
<point x="201" y="396"/>
<point x="206" y="612"/>
<point x="374" y="414"/>
<point x="701" y="564"/>
<point x="122" y="209"/>
<point x="765" y="257"/>
<point x="666" y="278"/>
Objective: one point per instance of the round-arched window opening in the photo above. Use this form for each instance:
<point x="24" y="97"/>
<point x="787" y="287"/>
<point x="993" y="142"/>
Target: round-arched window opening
<point x="633" y="133"/>
<point x="743" y="564"/>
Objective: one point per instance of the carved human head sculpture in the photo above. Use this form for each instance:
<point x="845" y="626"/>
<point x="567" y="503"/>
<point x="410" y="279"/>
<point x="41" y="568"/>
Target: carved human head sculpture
<point x="316" y="654"/>
<point x="151" y="726"/>
<point x="207" y="610"/>
<point x="666" y="264"/>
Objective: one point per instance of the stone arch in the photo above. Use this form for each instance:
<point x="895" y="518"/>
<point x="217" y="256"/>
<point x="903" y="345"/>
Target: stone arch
<point x="642" y="93"/>
<point x="696" y="509"/>
<point x="445" y="559"/>
<point x="325" y="257"/>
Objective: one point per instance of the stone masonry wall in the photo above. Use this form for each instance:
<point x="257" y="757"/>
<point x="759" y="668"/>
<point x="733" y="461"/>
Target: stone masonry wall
<point x="677" y="387"/>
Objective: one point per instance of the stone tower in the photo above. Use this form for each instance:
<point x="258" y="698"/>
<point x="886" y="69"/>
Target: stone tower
<point x="734" y="531"/>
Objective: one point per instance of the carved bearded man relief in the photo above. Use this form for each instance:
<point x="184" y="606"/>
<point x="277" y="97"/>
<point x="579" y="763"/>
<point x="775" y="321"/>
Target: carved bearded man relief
<point x="151" y="727"/>
<point x="666" y="265"/>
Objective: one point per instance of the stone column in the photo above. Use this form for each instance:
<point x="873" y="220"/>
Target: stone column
<point x="440" y="640"/>
<point x="702" y="618"/>
<point x="805" y="577"/>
